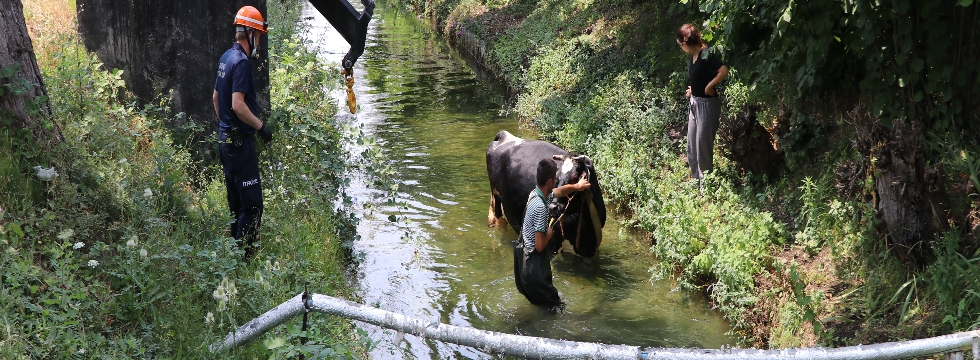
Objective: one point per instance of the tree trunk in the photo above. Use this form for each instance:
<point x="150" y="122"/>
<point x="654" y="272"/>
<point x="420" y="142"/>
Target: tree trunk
<point x="908" y="195"/>
<point x="23" y="98"/>
<point x="747" y="143"/>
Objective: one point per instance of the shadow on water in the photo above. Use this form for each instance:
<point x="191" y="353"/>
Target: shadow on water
<point x="433" y="116"/>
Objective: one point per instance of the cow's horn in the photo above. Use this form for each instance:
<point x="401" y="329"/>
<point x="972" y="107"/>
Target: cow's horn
<point x="558" y="157"/>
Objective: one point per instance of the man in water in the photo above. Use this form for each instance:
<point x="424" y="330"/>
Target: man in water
<point x="532" y="259"/>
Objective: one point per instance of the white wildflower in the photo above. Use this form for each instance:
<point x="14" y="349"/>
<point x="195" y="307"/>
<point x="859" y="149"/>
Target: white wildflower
<point x="272" y="267"/>
<point x="219" y="294"/>
<point x="143" y="253"/>
<point x="132" y="241"/>
<point x="147" y="192"/>
<point x="209" y="318"/>
<point x="224" y="292"/>
<point x="214" y="254"/>
<point x="81" y="351"/>
<point x="123" y="161"/>
<point x="66" y="234"/>
<point x="78" y="245"/>
<point x="46" y="174"/>
<point x="93" y="263"/>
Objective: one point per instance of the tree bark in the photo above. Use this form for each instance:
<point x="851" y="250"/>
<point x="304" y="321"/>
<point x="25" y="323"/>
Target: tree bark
<point x="908" y="195"/>
<point x="746" y="142"/>
<point x="23" y="98"/>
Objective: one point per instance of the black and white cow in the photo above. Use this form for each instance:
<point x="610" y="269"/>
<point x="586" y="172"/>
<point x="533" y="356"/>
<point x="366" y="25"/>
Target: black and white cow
<point x="512" y="165"/>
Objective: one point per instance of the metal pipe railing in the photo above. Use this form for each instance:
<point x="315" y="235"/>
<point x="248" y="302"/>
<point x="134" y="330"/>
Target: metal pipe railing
<point x="265" y="322"/>
<point x="544" y="348"/>
<point x="488" y="341"/>
<point x="890" y="350"/>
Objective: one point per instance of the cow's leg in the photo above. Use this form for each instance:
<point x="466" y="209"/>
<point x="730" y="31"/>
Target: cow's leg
<point x="491" y="215"/>
<point x="495" y="216"/>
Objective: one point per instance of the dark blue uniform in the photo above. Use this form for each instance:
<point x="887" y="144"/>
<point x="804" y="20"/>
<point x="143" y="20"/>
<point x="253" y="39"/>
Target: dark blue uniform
<point x="237" y="146"/>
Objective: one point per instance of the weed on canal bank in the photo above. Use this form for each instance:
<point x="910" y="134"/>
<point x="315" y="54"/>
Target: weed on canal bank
<point x="795" y="254"/>
<point x="115" y="243"/>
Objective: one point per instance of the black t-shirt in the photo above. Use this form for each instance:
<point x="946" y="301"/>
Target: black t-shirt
<point x="702" y="72"/>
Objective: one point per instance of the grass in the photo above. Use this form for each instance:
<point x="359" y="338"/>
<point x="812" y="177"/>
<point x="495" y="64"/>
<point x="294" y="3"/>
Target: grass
<point x="47" y="22"/>
<point x="126" y="254"/>
<point x="790" y="260"/>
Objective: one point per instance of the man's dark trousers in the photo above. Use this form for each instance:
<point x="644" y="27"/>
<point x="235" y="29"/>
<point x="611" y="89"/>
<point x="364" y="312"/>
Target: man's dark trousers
<point x="241" y="170"/>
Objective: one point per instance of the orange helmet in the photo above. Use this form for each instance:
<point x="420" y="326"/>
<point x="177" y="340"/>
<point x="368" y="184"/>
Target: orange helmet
<point x="251" y="17"/>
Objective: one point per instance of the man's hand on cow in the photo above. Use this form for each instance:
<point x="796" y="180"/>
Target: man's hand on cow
<point x="583" y="183"/>
<point x="568" y="189"/>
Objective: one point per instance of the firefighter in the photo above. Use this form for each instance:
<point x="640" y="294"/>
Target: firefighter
<point x="237" y="108"/>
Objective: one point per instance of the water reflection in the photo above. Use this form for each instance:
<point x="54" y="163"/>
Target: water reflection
<point x="434" y="118"/>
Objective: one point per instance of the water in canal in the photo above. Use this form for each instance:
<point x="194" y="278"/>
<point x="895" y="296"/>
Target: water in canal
<point x="434" y="116"/>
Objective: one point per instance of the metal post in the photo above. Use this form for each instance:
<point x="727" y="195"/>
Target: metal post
<point x="956" y="355"/>
<point x="306" y="319"/>
<point x="976" y="346"/>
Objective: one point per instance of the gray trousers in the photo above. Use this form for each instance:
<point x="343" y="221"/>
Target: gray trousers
<point x="702" y="124"/>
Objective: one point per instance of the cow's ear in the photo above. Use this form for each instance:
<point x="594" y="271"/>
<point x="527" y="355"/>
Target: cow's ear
<point x="558" y="157"/>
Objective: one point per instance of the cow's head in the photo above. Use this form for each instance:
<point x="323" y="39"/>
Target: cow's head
<point x="577" y="223"/>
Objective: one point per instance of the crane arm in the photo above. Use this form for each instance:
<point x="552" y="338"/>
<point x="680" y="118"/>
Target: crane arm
<point x="351" y="24"/>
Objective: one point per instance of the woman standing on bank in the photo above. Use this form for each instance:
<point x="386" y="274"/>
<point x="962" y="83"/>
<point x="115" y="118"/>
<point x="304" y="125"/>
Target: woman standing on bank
<point x="705" y="72"/>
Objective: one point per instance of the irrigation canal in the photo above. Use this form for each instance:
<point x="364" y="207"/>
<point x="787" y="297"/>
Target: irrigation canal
<point x="434" y="115"/>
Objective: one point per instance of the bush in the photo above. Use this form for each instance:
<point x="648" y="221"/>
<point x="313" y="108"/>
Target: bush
<point x="953" y="279"/>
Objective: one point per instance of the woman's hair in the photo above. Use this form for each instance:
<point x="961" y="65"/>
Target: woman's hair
<point x="689" y="34"/>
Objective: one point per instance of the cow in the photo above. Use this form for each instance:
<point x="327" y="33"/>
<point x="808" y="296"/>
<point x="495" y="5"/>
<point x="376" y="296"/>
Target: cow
<point x="512" y="165"/>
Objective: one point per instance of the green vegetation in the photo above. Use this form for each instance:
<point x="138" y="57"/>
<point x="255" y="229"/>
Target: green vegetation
<point x="795" y="256"/>
<point x="126" y="254"/>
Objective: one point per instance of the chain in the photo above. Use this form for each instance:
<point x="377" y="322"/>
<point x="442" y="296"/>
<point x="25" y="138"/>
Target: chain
<point x="348" y="74"/>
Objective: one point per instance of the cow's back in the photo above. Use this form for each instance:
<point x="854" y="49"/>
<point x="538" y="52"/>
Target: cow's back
<point x="512" y="165"/>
